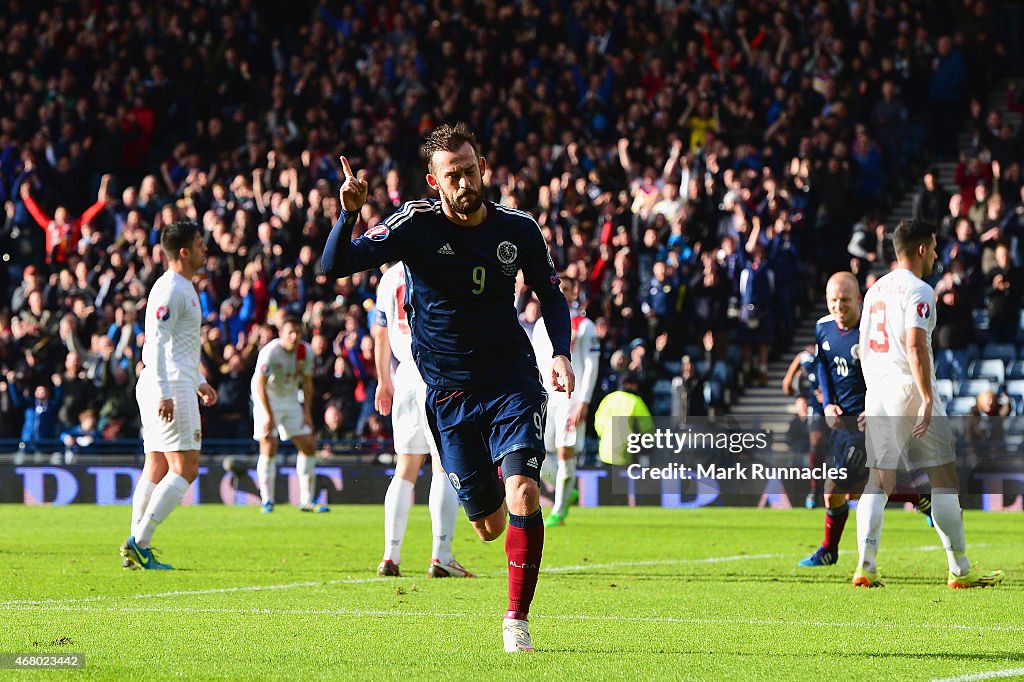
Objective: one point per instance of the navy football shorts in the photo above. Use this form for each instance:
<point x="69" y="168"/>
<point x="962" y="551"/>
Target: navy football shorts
<point x="478" y="430"/>
<point x="849" y="453"/>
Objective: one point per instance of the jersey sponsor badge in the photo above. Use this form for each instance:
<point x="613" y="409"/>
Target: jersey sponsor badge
<point x="923" y="310"/>
<point x="378" y="233"/>
<point x="455" y="481"/>
<point x="825" y="345"/>
<point x="163" y="313"/>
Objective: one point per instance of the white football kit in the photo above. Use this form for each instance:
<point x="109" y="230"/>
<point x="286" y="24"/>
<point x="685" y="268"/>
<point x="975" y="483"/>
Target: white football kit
<point x="171" y="358"/>
<point x="408" y="408"/>
<point x="560" y="430"/>
<point x="897" y="302"/>
<point x="285" y="373"/>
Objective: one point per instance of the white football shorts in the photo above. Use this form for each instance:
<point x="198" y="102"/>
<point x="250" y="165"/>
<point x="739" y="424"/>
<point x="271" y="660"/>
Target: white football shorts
<point x="287" y="415"/>
<point x="184" y="432"/>
<point x="891" y="410"/>
<point x="409" y="413"/>
<point x="559" y="429"/>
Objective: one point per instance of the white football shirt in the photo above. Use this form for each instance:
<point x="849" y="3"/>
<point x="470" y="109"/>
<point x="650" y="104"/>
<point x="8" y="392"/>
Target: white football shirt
<point x="586" y="353"/>
<point x="391" y="294"/>
<point x="284" y="371"/>
<point x="897" y="302"/>
<point x="173" y="318"/>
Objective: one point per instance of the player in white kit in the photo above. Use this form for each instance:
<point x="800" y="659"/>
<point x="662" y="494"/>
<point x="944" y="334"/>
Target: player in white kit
<point x="283" y="368"/>
<point x="906" y="425"/>
<point x="168" y="392"/>
<point x="565" y="427"/>
<point x="402" y="393"/>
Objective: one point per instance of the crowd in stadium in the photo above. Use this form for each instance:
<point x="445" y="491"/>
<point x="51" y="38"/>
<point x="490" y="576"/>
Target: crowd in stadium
<point x="698" y="166"/>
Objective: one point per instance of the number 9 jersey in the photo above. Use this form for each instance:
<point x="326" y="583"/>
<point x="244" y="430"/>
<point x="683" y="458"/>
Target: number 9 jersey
<point x="897" y="302"/>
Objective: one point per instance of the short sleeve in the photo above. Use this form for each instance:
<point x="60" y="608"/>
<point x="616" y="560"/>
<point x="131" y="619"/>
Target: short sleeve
<point x="920" y="307"/>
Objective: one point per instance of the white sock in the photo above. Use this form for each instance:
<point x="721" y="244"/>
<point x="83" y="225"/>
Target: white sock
<point x="397" y="503"/>
<point x="305" y="467"/>
<point x="564" y="484"/>
<point x="949" y="524"/>
<point x="165" y="498"/>
<point x="547" y="469"/>
<point x="870" y="512"/>
<point x="140" y="501"/>
<point x="444" y="512"/>
<point x="266" y="472"/>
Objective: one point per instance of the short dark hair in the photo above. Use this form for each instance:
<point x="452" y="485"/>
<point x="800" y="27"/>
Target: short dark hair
<point x="292" y="320"/>
<point x="911" y="234"/>
<point x="177" y="235"/>
<point x="447" y="138"/>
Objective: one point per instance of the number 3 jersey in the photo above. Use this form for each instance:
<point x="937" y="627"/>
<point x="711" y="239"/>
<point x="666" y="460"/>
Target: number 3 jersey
<point x="897" y="302"/>
<point x="460" y="285"/>
<point x="838" y="366"/>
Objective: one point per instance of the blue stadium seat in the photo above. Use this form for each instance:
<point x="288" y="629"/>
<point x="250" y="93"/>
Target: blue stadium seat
<point x="662" y="391"/>
<point x="1007" y="352"/>
<point x="1015" y="426"/>
<point x="672" y="367"/>
<point x="987" y="369"/>
<point x="972" y="387"/>
<point x="952" y="364"/>
<point x="958" y="407"/>
<point x="722" y="371"/>
<point x="944" y="389"/>
<point x="1015" y="370"/>
<point x="1015" y="387"/>
<point x="714" y="392"/>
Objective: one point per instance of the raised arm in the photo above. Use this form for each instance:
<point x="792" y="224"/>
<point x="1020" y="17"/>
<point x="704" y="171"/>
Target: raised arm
<point x="37" y="213"/>
<point x="342" y="256"/>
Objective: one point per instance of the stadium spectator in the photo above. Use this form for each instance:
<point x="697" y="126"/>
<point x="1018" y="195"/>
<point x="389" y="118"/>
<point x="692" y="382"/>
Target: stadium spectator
<point x="737" y="127"/>
<point x="80" y="439"/>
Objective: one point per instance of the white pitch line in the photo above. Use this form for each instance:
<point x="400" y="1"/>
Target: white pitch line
<point x="992" y="674"/>
<point x="662" y="562"/>
<point x="759" y="622"/>
<point x="189" y="593"/>
<point x="357" y="581"/>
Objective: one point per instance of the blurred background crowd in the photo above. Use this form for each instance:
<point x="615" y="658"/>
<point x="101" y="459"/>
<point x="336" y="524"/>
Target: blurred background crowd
<point x="699" y="167"/>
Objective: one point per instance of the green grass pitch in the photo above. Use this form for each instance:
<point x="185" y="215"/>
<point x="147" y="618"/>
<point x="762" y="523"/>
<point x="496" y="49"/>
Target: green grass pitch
<point x="641" y="593"/>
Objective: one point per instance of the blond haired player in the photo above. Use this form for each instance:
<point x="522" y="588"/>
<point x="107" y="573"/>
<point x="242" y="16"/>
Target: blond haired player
<point x="402" y="393"/>
<point x="283" y="367"/>
<point x="906" y="425"/>
<point x="168" y="392"/>
<point x="566" y="426"/>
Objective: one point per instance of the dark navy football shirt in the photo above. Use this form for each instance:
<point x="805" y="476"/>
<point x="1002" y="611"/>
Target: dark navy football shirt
<point x="839" y="371"/>
<point x="461" y="288"/>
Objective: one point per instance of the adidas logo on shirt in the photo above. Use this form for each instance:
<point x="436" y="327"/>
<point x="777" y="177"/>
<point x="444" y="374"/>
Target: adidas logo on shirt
<point x="533" y="463"/>
<point x="446" y="250"/>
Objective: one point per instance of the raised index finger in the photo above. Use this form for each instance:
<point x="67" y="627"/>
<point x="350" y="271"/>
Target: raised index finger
<point x="347" y="169"/>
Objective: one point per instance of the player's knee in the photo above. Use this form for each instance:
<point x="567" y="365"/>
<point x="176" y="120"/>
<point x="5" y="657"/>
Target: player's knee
<point x="490" y="527"/>
<point x="523" y="495"/>
<point x="407" y="467"/>
<point x="189" y="471"/>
